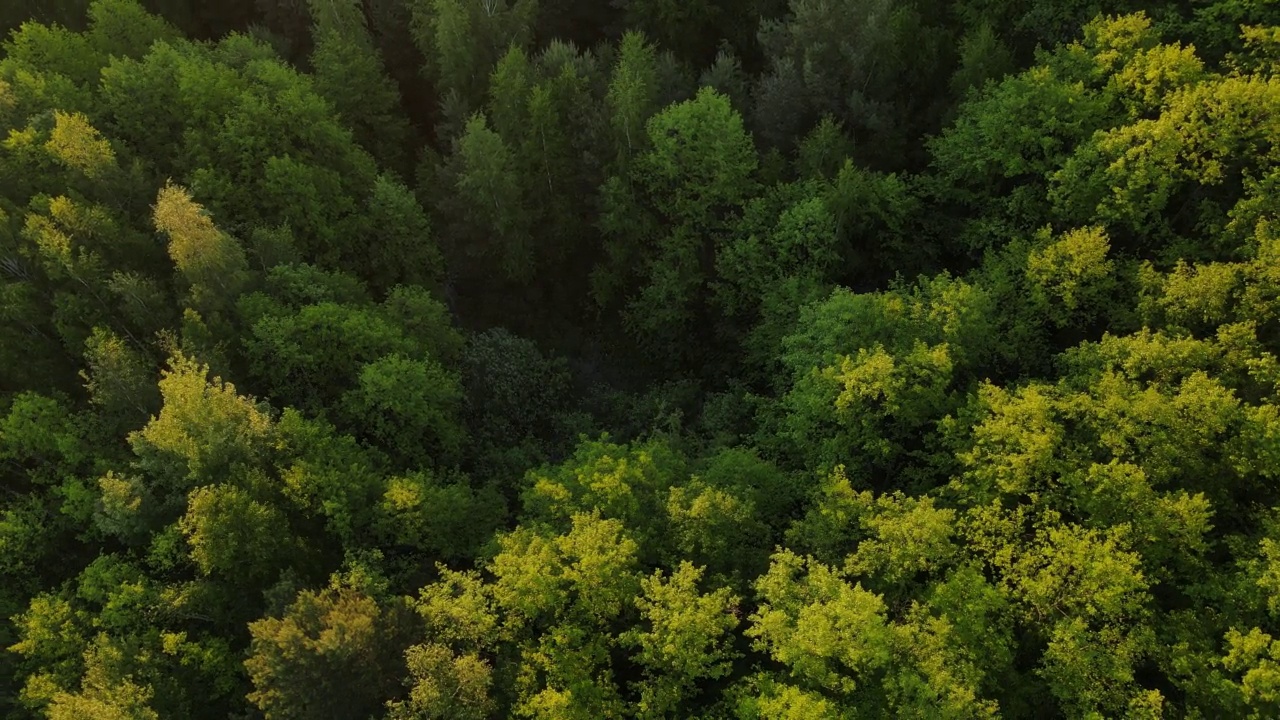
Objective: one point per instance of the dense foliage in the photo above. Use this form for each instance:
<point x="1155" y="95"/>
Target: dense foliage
<point x="649" y="359"/>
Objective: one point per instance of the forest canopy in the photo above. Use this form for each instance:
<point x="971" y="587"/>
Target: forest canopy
<point x="722" y="359"/>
